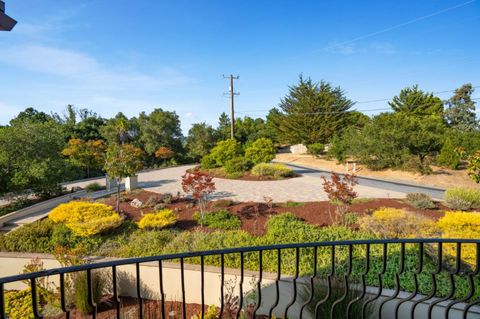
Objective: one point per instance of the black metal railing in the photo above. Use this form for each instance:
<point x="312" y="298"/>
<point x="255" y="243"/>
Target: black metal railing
<point x="405" y="278"/>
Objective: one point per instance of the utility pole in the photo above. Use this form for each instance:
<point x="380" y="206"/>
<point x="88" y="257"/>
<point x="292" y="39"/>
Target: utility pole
<point x="232" y="102"/>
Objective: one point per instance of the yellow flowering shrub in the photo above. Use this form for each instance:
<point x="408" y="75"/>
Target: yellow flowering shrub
<point x="86" y="219"/>
<point x="18" y="304"/>
<point x="458" y="224"/>
<point x="397" y="223"/>
<point x="160" y="219"/>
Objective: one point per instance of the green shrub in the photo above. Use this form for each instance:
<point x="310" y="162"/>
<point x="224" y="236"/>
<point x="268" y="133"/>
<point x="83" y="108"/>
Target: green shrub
<point x="315" y="148"/>
<point x="261" y="151"/>
<point x="237" y="165"/>
<point x="225" y="151"/>
<point x="143" y="243"/>
<point x="80" y="287"/>
<point x="208" y="162"/>
<point x="420" y="200"/>
<point x="338" y="149"/>
<point x="93" y="187"/>
<point x="220" y="219"/>
<point x="272" y="170"/>
<point x="448" y="156"/>
<point x="34" y="237"/>
<point x="462" y="198"/>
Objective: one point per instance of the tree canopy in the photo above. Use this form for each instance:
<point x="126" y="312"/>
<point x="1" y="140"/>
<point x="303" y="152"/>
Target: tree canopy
<point x="312" y="112"/>
<point x="413" y="101"/>
<point x="460" y="113"/>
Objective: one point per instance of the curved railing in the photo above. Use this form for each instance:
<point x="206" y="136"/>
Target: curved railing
<point x="404" y="278"/>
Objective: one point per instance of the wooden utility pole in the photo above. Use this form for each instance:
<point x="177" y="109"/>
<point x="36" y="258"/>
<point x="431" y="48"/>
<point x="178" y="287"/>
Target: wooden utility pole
<point x="232" y="103"/>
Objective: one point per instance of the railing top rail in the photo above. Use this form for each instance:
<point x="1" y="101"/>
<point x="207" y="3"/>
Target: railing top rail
<point x="129" y="261"/>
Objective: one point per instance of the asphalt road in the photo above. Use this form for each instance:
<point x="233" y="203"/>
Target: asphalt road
<point x="396" y="186"/>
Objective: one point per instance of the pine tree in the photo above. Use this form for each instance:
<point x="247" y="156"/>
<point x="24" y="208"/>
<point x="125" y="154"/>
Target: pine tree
<point x="413" y="101"/>
<point x="312" y="112"/>
<point x="461" y="109"/>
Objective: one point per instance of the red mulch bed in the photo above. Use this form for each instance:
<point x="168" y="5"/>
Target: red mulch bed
<point x="255" y="215"/>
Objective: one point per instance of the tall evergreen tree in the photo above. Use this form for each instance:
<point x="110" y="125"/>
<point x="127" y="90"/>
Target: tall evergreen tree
<point x="312" y="112"/>
<point x="413" y="101"/>
<point x="223" y="129"/>
<point x="200" y="140"/>
<point x="460" y="113"/>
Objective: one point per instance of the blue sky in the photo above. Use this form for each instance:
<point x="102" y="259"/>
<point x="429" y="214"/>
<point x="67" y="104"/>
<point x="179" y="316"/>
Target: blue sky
<point x="134" y="56"/>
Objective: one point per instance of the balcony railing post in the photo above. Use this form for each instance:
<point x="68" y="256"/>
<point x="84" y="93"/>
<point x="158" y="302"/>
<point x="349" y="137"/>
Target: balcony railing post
<point x="2" y="302"/>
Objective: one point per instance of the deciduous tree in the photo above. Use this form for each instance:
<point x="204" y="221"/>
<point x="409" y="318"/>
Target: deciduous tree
<point x="122" y="160"/>
<point x="86" y="154"/>
<point x="199" y="184"/>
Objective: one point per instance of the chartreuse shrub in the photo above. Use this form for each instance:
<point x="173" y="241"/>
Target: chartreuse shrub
<point x="461" y="225"/>
<point x="86" y="219"/>
<point x="397" y="223"/>
<point x="220" y="219"/>
<point x="261" y="151"/>
<point x="462" y="198"/>
<point x="158" y="220"/>
<point x="18" y="304"/>
<point x="225" y="151"/>
<point x="272" y="170"/>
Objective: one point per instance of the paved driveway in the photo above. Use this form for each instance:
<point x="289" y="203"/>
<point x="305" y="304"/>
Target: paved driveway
<point x="305" y="188"/>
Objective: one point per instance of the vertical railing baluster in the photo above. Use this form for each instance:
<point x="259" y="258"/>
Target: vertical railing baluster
<point x="91" y="301"/>
<point x="202" y="284"/>
<point x="139" y="291"/>
<point x="182" y="275"/>
<point x="329" y="281"/>
<point x="222" y="284"/>
<point x="346" y="278"/>
<point x="63" y="302"/>
<point x="259" y="283"/>
<point x="415" y="280"/>
<point x="162" y="292"/>
<point x="398" y="273"/>
<point x="3" y="315"/>
<point x="240" y="297"/>
<point x="472" y="288"/>
<point x="364" y="284"/>
<point x="451" y="275"/>
<point x="116" y="300"/>
<point x="277" y="288"/>
<point x="312" y="279"/>
<point x="380" y="281"/>
<point x="33" y="286"/>
<point x="294" y="282"/>
<point x="433" y="275"/>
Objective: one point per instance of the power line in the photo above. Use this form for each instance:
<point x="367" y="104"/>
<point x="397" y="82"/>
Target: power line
<point x="333" y="112"/>
<point x="369" y="101"/>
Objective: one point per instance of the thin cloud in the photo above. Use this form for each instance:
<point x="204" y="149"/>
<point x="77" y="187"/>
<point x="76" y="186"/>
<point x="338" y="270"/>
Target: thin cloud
<point x="397" y="26"/>
<point x="78" y="66"/>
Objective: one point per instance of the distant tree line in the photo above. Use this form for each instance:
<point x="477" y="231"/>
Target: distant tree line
<point x="39" y="150"/>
